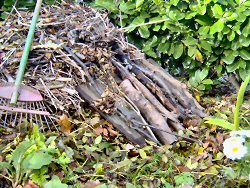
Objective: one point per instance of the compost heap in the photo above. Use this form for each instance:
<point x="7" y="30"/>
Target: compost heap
<point x="78" y="57"/>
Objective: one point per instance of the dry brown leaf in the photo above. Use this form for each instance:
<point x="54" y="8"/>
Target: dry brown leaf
<point x="65" y="124"/>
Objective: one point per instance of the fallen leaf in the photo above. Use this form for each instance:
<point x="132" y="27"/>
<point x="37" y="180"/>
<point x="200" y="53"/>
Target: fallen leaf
<point x="65" y="124"/>
<point x="30" y="184"/>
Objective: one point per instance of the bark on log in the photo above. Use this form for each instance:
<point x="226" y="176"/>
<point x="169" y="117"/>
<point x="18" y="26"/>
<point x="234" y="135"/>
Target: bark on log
<point x="125" y="74"/>
<point x="89" y="93"/>
<point x="149" y="112"/>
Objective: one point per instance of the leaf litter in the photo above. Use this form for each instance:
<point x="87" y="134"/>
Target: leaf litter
<point x="82" y="149"/>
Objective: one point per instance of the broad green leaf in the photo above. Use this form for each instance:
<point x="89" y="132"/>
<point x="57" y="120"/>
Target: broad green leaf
<point x="137" y="21"/>
<point x="189" y="41"/>
<point x="126" y="7"/>
<point x="206" y="45"/>
<point x="151" y="53"/>
<point x="201" y="87"/>
<point x="172" y="49"/>
<point x="207" y="81"/>
<point x="204" y="30"/>
<point x="37" y="160"/>
<point x="5" y="165"/>
<point x="192" y="51"/>
<point x="98" y="139"/>
<point x="242" y="64"/>
<point x="231" y="36"/>
<point x="244" y="54"/>
<point x="232" y="67"/>
<point x="157" y="28"/>
<point x="201" y="9"/>
<point x="55" y="182"/>
<point x="220" y="122"/>
<point x="174" y="2"/>
<point x="217" y="26"/>
<point x="217" y="11"/>
<point x="138" y="3"/>
<point x="190" y="15"/>
<point x="178" y="50"/>
<point x="244" y="73"/>
<point x="246" y="29"/>
<point x="232" y="17"/>
<point x="203" y="74"/>
<point x="144" y="32"/>
<point x="244" y="41"/>
<point x="19" y="152"/>
<point x="229" y="56"/>
<point x="108" y="4"/>
<point x="163" y="47"/>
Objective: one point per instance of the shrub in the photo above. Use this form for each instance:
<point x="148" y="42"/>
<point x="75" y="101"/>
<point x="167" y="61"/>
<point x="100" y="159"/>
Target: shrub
<point x="205" y="38"/>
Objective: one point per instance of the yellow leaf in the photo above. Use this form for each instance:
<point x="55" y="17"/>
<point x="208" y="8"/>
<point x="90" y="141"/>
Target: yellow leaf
<point x="65" y="124"/>
<point x="198" y="56"/>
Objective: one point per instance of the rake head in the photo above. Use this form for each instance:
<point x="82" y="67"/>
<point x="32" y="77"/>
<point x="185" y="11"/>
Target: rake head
<point x="30" y="107"/>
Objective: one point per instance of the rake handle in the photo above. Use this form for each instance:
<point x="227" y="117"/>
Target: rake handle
<point x="24" y="59"/>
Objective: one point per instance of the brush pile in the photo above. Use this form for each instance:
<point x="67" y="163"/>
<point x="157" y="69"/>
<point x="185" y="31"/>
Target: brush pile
<point x="79" y="57"/>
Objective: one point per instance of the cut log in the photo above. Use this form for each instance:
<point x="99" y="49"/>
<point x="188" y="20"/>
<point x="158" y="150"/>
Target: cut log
<point x="149" y="112"/>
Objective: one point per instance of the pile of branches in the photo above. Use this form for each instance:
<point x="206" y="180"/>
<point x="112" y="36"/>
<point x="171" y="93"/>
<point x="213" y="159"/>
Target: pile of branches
<point x="78" y="55"/>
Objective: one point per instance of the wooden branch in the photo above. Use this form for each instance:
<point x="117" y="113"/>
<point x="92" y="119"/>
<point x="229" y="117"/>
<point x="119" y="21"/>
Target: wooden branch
<point x="89" y="94"/>
<point x="149" y="112"/>
<point x="149" y="96"/>
<point x="173" y="87"/>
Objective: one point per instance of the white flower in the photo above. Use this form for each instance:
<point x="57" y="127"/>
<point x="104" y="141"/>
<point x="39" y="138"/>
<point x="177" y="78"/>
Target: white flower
<point x="234" y="140"/>
<point x="240" y="133"/>
<point x="234" y="148"/>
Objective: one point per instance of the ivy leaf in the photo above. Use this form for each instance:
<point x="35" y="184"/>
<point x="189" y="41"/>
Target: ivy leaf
<point x="217" y="27"/>
<point x="55" y="182"/>
<point x="178" y="50"/>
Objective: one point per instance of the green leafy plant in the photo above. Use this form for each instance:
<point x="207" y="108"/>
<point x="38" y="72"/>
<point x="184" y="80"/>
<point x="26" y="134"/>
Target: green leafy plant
<point x="202" y="38"/>
<point x="6" y="5"/>
<point x="225" y="124"/>
<point x="32" y="157"/>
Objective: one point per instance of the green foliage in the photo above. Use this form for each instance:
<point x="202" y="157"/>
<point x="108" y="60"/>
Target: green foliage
<point x="6" y="5"/>
<point x="55" y="182"/>
<point x="225" y="124"/>
<point x="31" y="159"/>
<point x="203" y="38"/>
